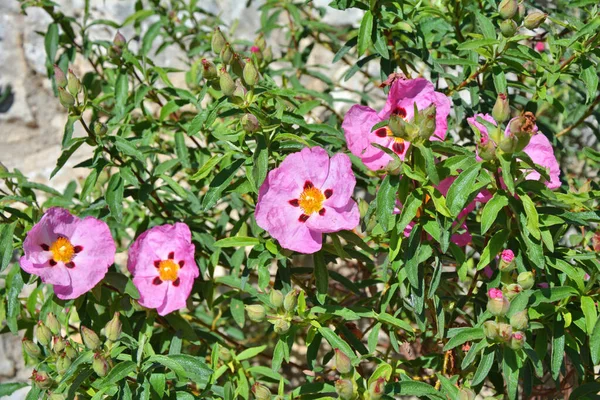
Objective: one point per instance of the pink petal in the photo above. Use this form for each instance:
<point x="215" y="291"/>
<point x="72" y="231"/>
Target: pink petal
<point x="309" y="164"/>
<point x="541" y="152"/>
<point x="176" y="297"/>
<point x="56" y="275"/>
<point x="340" y="181"/>
<point x="335" y="219"/>
<point x="357" y="126"/>
<point x="151" y="295"/>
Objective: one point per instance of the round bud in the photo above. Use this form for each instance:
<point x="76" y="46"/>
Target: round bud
<point x="73" y="84"/>
<point x="508" y="28"/>
<point x="342" y="362"/>
<point x="519" y="320"/>
<point x="52" y="323"/>
<point x="209" y="71"/>
<point x="256" y="312"/>
<point x="345" y="389"/>
<point x="65" y="98"/>
<point x="490" y="329"/>
<point x="276" y="298"/>
<point x="504" y="331"/>
<point x="497" y="304"/>
<point x="507" y="8"/>
<point x="90" y="338"/>
<point x="113" y="328"/>
<point x="513" y="290"/>
<point x="59" y="77"/>
<point x="225" y="354"/>
<point x="119" y="40"/>
<point x="226" y="82"/>
<point x="227" y="54"/>
<point x="534" y="19"/>
<point x="526" y="280"/>
<point x="291" y="300"/>
<point x="217" y="41"/>
<point x="466" y="394"/>
<point x="41" y="379"/>
<point x="100" y="365"/>
<point x="62" y="364"/>
<point x="250" y="123"/>
<point x="281" y="326"/>
<point x="261" y="392"/>
<point x="507" y="261"/>
<point x="43" y="334"/>
<point x="517" y="340"/>
<point x="31" y="348"/>
<point x="376" y="389"/>
<point x="250" y="73"/>
<point x="501" y="110"/>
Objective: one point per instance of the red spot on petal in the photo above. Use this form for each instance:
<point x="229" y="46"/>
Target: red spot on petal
<point x="176" y="282"/>
<point x="328" y="193"/>
<point x="181" y="263"/>
<point x="294" y="202"/>
<point x="398" y="148"/>
<point x="400" y="111"/>
<point x="308" y="185"/>
<point x="156" y="281"/>
<point x="52" y="263"/>
<point x="157" y="263"/>
<point x="322" y="211"/>
<point x="70" y="265"/>
<point x="45" y="247"/>
<point x="77" y="249"/>
<point x="381" y="132"/>
<point x="303" y="218"/>
<point x="171" y="255"/>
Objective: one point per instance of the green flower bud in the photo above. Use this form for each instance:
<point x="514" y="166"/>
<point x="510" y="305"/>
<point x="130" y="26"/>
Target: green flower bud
<point x="250" y="123"/>
<point x="517" y="340"/>
<point x="250" y="73"/>
<point x="261" y="392"/>
<point x="291" y="300"/>
<point x="226" y="82"/>
<point x="257" y="53"/>
<point x="342" y="362"/>
<point x="237" y="65"/>
<point x="70" y="350"/>
<point x="501" y="110"/>
<point x="376" y="389"/>
<point x="518" y="18"/>
<point x="487" y="149"/>
<point x="345" y="389"/>
<point x="507" y="261"/>
<point x="52" y="323"/>
<point x="218" y="41"/>
<point x="281" y="326"/>
<point x="466" y="394"/>
<point x="65" y="98"/>
<point x="508" y="8"/>
<point x="113" y="328"/>
<point x="398" y="126"/>
<point x="41" y="379"/>
<point x="100" y="365"/>
<point x="100" y="129"/>
<point x="227" y="54"/>
<point x="119" y="40"/>
<point x="276" y="298"/>
<point x="90" y="338"/>
<point x="225" y="354"/>
<point x="534" y="19"/>
<point x="513" y="290"/>
<point x="256" y="312"/>
<point x="58" y="344"/>
<point x="260" y="41"/>
<point x="239" y="93"/>
<point x="427" y="122"/>
<point x="209" y="71"/>
<point x="508" y="28"/>
<point x="43" y="334"/>
<point x="31" y="348"/>
<point x="504" y="331"/>
<point x="519" y="320"/>
<point x="509" y="143"/>
<point x="73" y="84"/>
<point x="526" y="280"/>
<point x="62" y="364"/>
<point x="59" y="77"/>
<point x="490" y="328"/>
<point x="268" y="54"/>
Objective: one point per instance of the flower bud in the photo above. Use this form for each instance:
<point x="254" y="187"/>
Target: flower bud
<point x="276" y="298"/>
<point x="65" y="98"/>
<point x="486" y="149"/>
<point x="58" y="344"/>
<point x="100" y="365"/>
<point x="534" y="19"/>
<point x="100" y="129"/>
<point x="43" y="334"/>
<point x="70" y="351"/>
<point x="257" y="53"/>
<point x="59" y="77"/>
<point x="398" y="126"/>
<point x="90" y="338"/>
<point x="237" y="65"/>
<point x="519" y="320"/>
<point x="345" y="389"/>
<point x="517" y="340"/>
<point x="239" y="93"/>
<point x="62" y="364"/>
<point x="509" y="143"/>
<point x="57" y="396"/>
<point x="41" y="379"/>
<point x="256" y="312"/>
<point x="376" y="389"/>
<point x="268" y="54"/>
<point x="466" y="394"/>
<point x="525" y="279"/>
<point x="508" y="8"/>
<point x="427" y="122"/>
<point x="226" y="82"/>
<point x="225" y="354"/>
<point x="490" y="329"/>
<point x="73" y="84"/>
<point x="281" y="326"/>
<point x="501" y="110"/>
<point x="209" y="71"/>
<point x="52" y="323"/>
<point x="119" y="40"/>
<point x="342" y="362"/>
<point x="508" y="28"/>
<point x="113" y="328"/>
<point x="250" y="123"/>
<point x="504" y="331"/>
<point x="227" y="54"/>
<point x="507" y="261"/>
<point x="260" y="42"/>
<point x="291" y="300"/>
<point x="250" y="73"/>
<point x="518" y="18"/>
<point x="261" y="392"/>
<point x="513" y="290"/>
<point x="218" y="41"/>
<point x="497" y="304"/>
<point x="31" y="348"/>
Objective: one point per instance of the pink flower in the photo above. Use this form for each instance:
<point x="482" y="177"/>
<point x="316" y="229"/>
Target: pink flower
<point x="359" y="121"/>
<point x="71" y="253"/>
<point x="495" y="293"/>
<point x="308" y="195"/>
<point x="162" y="263"/>
<point x="539" y="150"/>
<point x="507" y="255"/>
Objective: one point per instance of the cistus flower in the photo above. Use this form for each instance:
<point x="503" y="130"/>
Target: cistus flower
<point x="507" y="260"/>
<point x="539" y="148"/>
<point x="400" y="106"/>
<point x="162" y="263"/>
<point x="497" y="304"/>
<point x="70" y="253"/>
<point x="342" y="362"/>
<point x="526" y="280"/>
<point x="306" y="196"/>
<point x="517" y="340"/>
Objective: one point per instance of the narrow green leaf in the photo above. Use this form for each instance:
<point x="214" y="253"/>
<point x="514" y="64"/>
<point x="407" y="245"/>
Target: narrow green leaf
<point x="6" y="244"/>
<point x="51" y="43"/>
<point x="558" y="346"/>
<point x="182" y="150"/>
<point x="461" y="188"/>
<point x="485" y="365"/>
<point x="237" y="241"/>
<point x="114" y="196"/>
<point x="386" y="201"/>
<point x="364" y="33"/>
<point x="491" y="210"/>
<point x="492" y="249"/>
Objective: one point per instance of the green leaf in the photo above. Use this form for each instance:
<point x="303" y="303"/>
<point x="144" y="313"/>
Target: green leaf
<point x="589" y="76"/>
<point x="14" y="284"/>
<point x="64" y="157"/>
<point x="588" y="306"/>
<point x="365" y="32"/>
<point x="237" y="241"/>
<point x="207" y="168"/>
<point x="251" y="352"/>
<point x="182" y="150"/>
<point x="485" y="365"/>
<point x="118" y="373"/>
<point x="6" y="244"/>
<point x="477" y="43"/>
<point x="510" y="370"/>
<point x="321" y="274"/>
<point x="414" y="388"/>
<point x="121" y="92"/>
<point x="150" y="36"/>
<point x="595" y="343"/>
<point x="461" y="188"/>
<point x="128" y="147"/>
<point x="114" y="196"/>
<point x="492" y="249"/>
<point x="505" y="166"/>
<point x="491" y="210"/>
<point x="396" y="322"/>
<point x="386" y="201"/>
<point x="336" y="342"/>
<point x="533" y="223"/>
<point x="486" y="26"/>
<point x="558" y="346"/>
<point x="464" y="335"/>
<point x="6" y="389"/>
<point x="168" y="109"/>
<point x="221" y="181"/>
<point x="51" y="43"/>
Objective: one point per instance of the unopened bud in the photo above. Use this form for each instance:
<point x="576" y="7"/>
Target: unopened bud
<point x="268" y="54"/>
<point x="486" y="149"/>
<point x="398" y="126"/>
<point x="41" y="379"/>
<point x="31" y="348"/>
<point x="342" y="362"/>
<point x="250" y="73"/>
<point x="65" y="98"/>
<point x="276" y="298"/>
<point x="113" y="328"/>
<point x="256" y="53"/>
<point x="376" y="389"/>
<point x="70" y="351"/>
<point x="227" y="54"/>
<point x="239" y="93"/>
<point x="281" y="326"/>
<point x="209" y="71"/>
<point x="518" y="18"/>
<point x="73" y="84"/>
<point x="497" y="304"/>
<point x="261" y="392"/>
<point x="237" y="65"/>
<point x="519" y="320"/>
<point x="345" y="389"/>
<point x="291" y="300"/>
<point x="466" y="394"/>
<point x="517" y="340"/>
<point x="59" y="77"/>
<point x="43" y="334"/>
<point x="225" y="354"/>
<point x="507" y="261"/>
<point x="509" y="143"/>
<point x="119" y="40"/>
<point x="256" y="312"/>
<point x="504" y="331"/>
<point x="490" y="329"/>
<point x="100" y="129"/>
<point x="507" y="8"/>
<point x="58" y="344"/>
<point x="218" y="41"/>
<point x="534" y="19"/>
<point x="226" y="82"/>
<point x="62" y="364"/>
<point x="427" y="122"/>
<point x="90" y="338"/>
<point x="52" y="323"/>
<point x="513" y="290"/>
<point x="260" y="41"/>
<point x="250" y="123"/>
<point x="100" y="365"/>
<point x="501" y="110"/>
<point x="508" y="28"/>
<point x="526" y="280"/>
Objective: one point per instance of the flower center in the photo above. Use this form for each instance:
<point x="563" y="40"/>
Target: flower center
<point x="62" y="250"/>
<point x="311" y="199"/>
<point x="168" y="270"/>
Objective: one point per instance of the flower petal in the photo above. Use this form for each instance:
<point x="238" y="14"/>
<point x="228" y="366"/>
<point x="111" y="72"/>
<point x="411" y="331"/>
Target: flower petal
<point x="151" y="295"/>
<point x="176" y="297"/>
<point x="357" y="126"/>
<point x="541" y="152"/>
<point x="340" y="181"/>
<point x="335" y="219"/>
